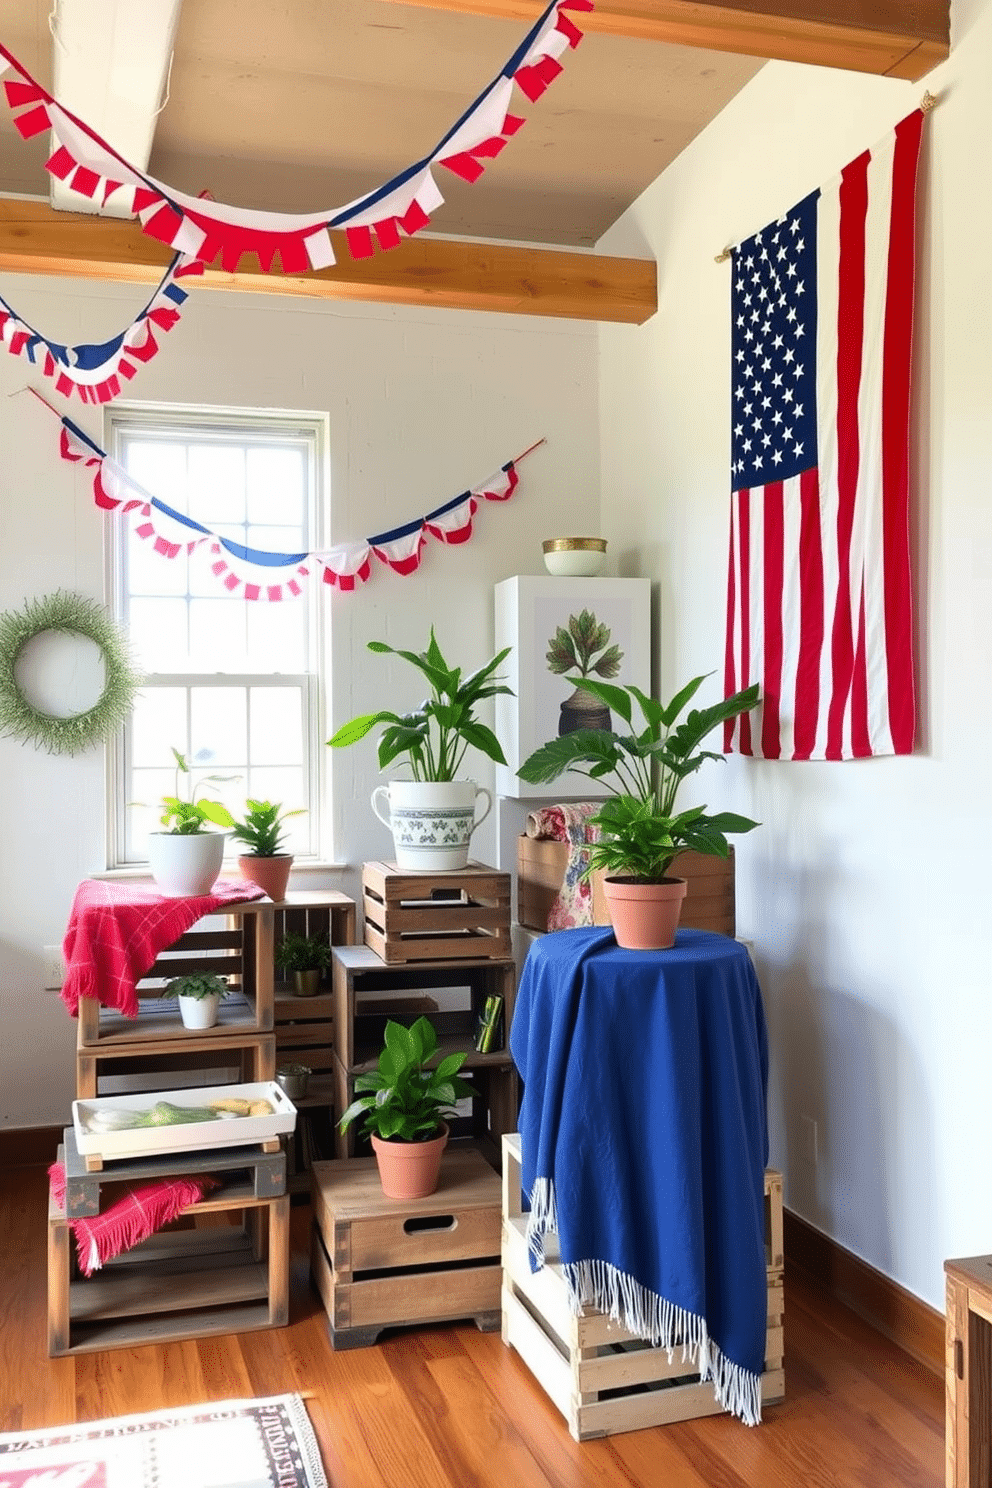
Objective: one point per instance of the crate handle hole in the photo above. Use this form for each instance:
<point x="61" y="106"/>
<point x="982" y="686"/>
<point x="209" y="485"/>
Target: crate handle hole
<point x="430" y="1222"/>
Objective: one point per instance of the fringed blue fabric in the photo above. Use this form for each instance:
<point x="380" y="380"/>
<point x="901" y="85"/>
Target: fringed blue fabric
<point x="644" y="1141"/>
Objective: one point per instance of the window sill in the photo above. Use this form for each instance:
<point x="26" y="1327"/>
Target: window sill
<point x="140" y="870"/>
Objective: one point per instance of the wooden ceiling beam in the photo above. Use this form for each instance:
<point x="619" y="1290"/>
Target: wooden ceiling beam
<point x="444" y="273"/>
<point x="891" y="38"/>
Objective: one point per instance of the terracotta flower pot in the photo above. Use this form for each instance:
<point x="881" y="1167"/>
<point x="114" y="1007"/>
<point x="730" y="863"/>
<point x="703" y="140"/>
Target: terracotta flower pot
<point x="409" y="1170"/>
<point x="271" y="874"/>
<point x="645" y="916"/>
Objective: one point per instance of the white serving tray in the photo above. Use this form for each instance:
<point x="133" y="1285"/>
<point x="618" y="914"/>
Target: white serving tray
<point x="192" y="1136"/>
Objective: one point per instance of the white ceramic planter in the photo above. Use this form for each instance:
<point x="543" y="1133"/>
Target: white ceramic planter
<point x="432" y="824"/>
<point x="185" y="866"/>
<point x="199" y="1012"/>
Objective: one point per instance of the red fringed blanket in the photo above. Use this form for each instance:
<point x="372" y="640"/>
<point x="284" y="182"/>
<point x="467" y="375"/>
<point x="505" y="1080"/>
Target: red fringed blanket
<point x="130" y="1219"/>
<point x="116" y="931"/>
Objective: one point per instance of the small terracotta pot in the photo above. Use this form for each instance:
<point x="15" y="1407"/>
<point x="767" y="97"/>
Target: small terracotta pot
<point x="271" y="874"/>
<point x="409" y="1170"/>
<point x="645" y="916"/>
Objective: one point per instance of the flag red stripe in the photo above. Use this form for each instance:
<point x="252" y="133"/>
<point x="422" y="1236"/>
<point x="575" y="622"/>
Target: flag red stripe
<point x="729" y="676"/>
<point x="895" y="435"/>
<point x="850" y="335"/>
<point x="860" y="735"/>
<point x="773" y="581"/>
<point x="811" y="615"/>
<point x="744" y="524"/>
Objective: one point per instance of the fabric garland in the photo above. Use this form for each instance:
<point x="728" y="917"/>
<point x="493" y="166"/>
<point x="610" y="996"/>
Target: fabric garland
<point x="98" y="373"/>
<point x="209" y="230"/>
<point x="255" y="572"/>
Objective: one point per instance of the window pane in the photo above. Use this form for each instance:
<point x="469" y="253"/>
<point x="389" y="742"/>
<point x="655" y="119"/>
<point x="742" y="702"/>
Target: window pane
<point x="218" y="729"/>
<point x="158" y="634"/>
<point x="217" y="640"/>
<point x="276" y="730"/>
<point x="148" y="572"/>
<point x="276" y="479"/>
<point x="160" y="467"/>
<point x="158" y="726"/>
<point x="216" y="484"/>
<point x="277" y="635"/>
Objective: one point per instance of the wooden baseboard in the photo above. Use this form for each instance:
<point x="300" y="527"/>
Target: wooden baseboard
<point x="29" y="1146"/>
<point x="910" y="1323"/>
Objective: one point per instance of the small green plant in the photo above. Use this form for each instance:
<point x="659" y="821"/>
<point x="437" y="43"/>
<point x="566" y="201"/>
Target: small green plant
<point x="296" y="952"/>
<point x="262" y="830"/>
<point x="641" y="833"/>
<point x="407" y="1101"/>
<point x="584" y="647"/>
<point x="197" y="985"/>
<point x="436" y="735"/>
<point x="191" y="816"/>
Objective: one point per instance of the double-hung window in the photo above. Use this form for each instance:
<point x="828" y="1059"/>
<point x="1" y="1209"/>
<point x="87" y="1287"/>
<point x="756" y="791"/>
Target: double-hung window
<point x="230" y="682"/>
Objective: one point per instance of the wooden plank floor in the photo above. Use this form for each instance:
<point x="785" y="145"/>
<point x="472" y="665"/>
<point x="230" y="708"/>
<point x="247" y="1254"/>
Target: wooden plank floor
<point x="448" y="1407"/>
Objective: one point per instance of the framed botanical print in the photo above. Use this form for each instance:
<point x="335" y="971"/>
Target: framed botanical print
<point x="560" y="630"/>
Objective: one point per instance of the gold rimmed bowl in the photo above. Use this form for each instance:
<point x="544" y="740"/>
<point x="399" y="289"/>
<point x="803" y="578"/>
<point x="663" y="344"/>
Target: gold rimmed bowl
<point x="574" y="557"/>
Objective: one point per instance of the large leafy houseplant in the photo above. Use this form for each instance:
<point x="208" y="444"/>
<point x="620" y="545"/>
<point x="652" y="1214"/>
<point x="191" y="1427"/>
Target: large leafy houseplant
<point x="406" y="1106"/>
<point x="408" y="1101"/>
<point x="641" y="833"/>
<point x="436" y="735"/>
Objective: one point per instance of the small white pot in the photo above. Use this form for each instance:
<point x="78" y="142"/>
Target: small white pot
<point x="432" y="823"/>
<point x="183" y="867"/>
<point x="199" y="1012"/>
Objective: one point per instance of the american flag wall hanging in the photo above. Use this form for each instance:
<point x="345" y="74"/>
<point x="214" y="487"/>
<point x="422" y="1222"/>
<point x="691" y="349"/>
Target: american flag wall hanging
<point x="819" y="603"/>
<point x="209" y="230"/>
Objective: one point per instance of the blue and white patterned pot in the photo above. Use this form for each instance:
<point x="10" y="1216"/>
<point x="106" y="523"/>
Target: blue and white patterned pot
<point x="432" y="824"/>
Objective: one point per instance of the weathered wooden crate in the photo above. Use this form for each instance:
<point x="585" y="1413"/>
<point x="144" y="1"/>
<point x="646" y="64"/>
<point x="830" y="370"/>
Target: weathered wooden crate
<point x="253" y="1171"/>
<point x="201" y="1276"/>
<point x="436" y="916"/>
<point x="603" y="1379"/>
<point x="383" y="1263"/>
<point x="708" y="905"/>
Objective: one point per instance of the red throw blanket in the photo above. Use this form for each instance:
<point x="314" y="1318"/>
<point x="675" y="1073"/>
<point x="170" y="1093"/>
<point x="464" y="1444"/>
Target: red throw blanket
<point x="116" y="930"/>
<point x="130" y="1219"/>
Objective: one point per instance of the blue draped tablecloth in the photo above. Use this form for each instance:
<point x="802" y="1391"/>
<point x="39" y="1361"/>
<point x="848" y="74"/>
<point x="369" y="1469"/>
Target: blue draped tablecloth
<point x="644" y="1140"/>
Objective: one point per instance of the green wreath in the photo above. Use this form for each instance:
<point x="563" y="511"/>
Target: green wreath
<point x="73" y="614"/>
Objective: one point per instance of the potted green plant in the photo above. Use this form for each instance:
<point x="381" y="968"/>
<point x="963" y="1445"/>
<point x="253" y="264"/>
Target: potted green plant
<point x="406" y="1107"/>
<point x="185" y="858"/>
<point x="432" y="816"/>
<point x="306" y="958"/>
<point x="199" y="997"/>
<point x="640" y="831"/>
<point x="262" y="830"/>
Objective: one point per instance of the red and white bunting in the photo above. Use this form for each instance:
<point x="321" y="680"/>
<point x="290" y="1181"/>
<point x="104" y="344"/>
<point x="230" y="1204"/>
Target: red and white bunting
<point x="209" y="230"/>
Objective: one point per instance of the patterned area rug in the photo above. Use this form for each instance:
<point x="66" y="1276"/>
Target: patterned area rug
<point x="228" y="1444"/>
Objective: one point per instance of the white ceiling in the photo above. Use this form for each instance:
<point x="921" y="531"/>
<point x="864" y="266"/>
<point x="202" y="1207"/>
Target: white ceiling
<point x="306" y="104"/>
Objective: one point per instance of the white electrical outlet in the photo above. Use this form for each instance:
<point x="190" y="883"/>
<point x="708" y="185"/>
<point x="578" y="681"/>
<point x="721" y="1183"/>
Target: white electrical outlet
<point x="54" y="968"/>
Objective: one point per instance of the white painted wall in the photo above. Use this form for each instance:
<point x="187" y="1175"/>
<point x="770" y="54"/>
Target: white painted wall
<point x="864" y="891"/>
<point x="422" y="404"/>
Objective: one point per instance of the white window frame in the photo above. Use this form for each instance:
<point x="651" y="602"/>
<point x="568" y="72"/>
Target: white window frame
<point x="220" y="421"/>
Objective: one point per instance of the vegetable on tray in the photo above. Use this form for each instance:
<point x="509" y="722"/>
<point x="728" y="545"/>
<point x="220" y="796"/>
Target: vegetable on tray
<point x="164" y="1113"/>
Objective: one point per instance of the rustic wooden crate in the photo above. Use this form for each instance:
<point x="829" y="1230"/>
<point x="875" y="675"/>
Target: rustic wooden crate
<point x="229" y="944"/>
<point x="436" y="916"/>
<point x="383" y="1263"/>
<point x="253" y="1171"/>
<point x="708" y="905"/>
<point x="146" y="1064"/>
<point x="187" y="1281"/>
<point x="368" y="992"/>
<point x="603" y="1379"/>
